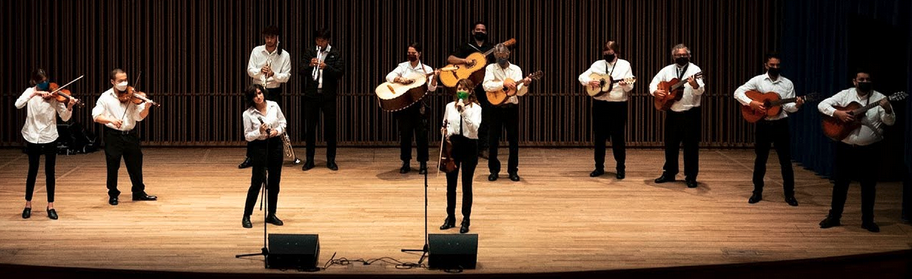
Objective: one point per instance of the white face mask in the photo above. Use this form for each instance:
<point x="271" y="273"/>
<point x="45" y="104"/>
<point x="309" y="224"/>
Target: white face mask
<point x="121" y="86"/>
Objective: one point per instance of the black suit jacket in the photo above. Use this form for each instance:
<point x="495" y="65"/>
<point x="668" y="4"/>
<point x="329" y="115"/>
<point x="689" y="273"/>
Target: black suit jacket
<point x="335" y="68"/>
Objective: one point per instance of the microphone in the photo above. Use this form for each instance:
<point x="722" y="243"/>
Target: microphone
<point x="268" y="130"/>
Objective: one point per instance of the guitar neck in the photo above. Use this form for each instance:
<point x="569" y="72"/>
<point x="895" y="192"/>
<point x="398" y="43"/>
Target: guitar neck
<point x="783" y="101"/>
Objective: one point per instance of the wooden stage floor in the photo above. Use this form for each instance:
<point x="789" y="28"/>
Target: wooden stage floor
<point x="555" y="219"/>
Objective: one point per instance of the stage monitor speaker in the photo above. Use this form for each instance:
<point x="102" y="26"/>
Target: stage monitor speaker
<point x="293" y="251"/>
<point x="452" y="251"/>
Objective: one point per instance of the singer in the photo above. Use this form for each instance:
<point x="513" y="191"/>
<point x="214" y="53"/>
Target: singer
<point x="264" y="125"/>
<point x="461" y="121"/>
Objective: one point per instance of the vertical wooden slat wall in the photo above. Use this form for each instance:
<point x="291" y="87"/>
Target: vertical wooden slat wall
<point x="193" y="55"/>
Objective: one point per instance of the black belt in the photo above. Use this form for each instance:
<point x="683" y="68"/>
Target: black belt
<point x="506" y="106"/>
<point x="319" y="90"/>
<point x="118" y="132"/>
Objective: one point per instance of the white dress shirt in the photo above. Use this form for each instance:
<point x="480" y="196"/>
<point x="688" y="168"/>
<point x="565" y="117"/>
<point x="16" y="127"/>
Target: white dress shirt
<point x="763" y="83"/>
<point x="280" y="63"/>
<point x="317" y="72"/>
<point x="495" y="76"/>
<point x="41" y="121"/>
<point x="871" y="130"/>
<point x="691" y="96"/>
<point x="405" y="68"/>
<point x="273" y="118"/>
<point x="109" y="106"/>
<point x="621" y="70"/>
<point x="470" y="118"/>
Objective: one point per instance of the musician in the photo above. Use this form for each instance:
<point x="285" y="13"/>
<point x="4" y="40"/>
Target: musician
<point x="479" y="42"/>
<point x="856" y="155"/>
<point x="271" y="66"/>
<point x="323" y="66"/>
<point x="264" y="124"/>
<point x="40" y="134"/>
<point x="413" y="119"/>
<point x="609" y="110"/>
<point x="682" y="121"/>
<point x="119" y="115"/>
<point x="505" y="115"/>
<point x="461" y="121"/>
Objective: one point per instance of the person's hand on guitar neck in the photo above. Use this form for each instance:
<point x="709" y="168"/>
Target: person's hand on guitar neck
<point x="799" y="101"/>
<point x="526" y="81"/>
<point x="843" y="115"/>
<point x="693" y="82"/>
<point x="885" y="104"/>
<point x="757" y="106"/>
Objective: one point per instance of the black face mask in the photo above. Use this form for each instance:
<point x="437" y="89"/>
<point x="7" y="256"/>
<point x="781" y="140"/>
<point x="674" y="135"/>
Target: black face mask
<point x="864" y="86"/>
<point x="502" y="62"/>
<point x="774" y="71"/>
<point x="681" y="61"/>
<point x="608" y="57"/>
<point x="480" y="36"/>
<point x="412" y="58"/>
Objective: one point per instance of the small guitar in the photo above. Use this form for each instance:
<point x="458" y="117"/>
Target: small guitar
<point x="675" y="90"/>
<point x="497" y="97"/>
<point x="606" y="83"/>
<point x="771" y="101"/>
<point x="838" y="130"/>
<point x="465" y="71"/>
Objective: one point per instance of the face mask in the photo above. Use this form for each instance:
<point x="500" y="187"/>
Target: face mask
<point x="681" y="61"/>
<point x="43" y="86"/>
<point x="481" y="36"/>
<point x="864" y="86"/>
<point x="412" y="58"/>
<point x="121" y="86"/>
<point x="462" y="95"/>
<point x="774" y="71"/>
<point x="502" y="62"/>
<point x="608" y="57"/>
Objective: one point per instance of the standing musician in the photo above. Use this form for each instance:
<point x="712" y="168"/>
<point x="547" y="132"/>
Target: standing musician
<point x="414" y="118"/>
<point x="505" y="115"/>
<point x="478" y="43"/>
<point x="323" y="67"/>
<point x="270" y="66"/>
<point x="40" y="134"/>
<point x="856" y="155"/>
<point x="682" y="121"/>
<point x="772" y="129"/>
<point x="119" y="115"/>
<point x="264" y="124"/>
<point x="461" y="120"/>
<point x="609" y="110"/>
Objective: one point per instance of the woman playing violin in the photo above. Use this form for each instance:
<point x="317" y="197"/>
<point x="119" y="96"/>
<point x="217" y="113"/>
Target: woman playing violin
<point x="461" y="121"/>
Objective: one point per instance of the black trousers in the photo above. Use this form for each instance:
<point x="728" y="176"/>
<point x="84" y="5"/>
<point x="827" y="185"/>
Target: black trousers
<point x="465" y="153"/>
<point x="483" y="129"/>
<point x="123" y="144"/>
<point x="267" y="166"/>
<point x="34" y="151"/>
<point x="683" y="127"/>
<point x="858" y="163"/>
<point x="412" y="123"/>
<point x="907" y="196"/>
<point x="504" y="116"/>
<point x="312" y="108"/>
<point x="609" y="120"/>
<point x="773" y="132"/>
<point x="275" y="95"/>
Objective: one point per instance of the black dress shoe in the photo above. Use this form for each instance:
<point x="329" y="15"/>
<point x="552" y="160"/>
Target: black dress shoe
<point x="829" y="222"/>
<point x="483" y="154"/>
<point x="464" y="227"/>
<point x="52" y="214"/>
<point x="514" y="176"/>
<point x="596" y="172"/>
<point x="332" y="165"/>
<point x="245" y="222"/>
<point x="27" y="213"/>
<point x="246" y="163"/>
<point x="790" y="200"/>
<point x="755" y="198"/>
<point x="691" y="183"/>
<point x="665" y="178"/>
<point x="870" y="226"/>
<point x="405" y="167"/>
<point x="450" y="222"/>
<point x="309" y="164"/>
<point x="422" y="168"/>
<point x="272" y="219"/>
<point x="492" y="177"/>
<point x="112" y="200"/>
<point x="144" y="197"/>
<point x="620" y="174"/>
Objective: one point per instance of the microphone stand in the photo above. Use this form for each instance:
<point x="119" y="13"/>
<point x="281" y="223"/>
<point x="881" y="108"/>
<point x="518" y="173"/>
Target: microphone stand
<point x="264" y="200"/>
<point x="424" y="250"/>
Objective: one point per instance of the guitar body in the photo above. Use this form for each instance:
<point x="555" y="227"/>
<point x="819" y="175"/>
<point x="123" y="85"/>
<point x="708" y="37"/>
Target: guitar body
<point x="605" y="81"/>
<point x="674" y="95"/>
<point x="396" y="96"/>
<point x="768" y="99"/>
<point x="497" y="97"/>
<point x="837" y="129"/>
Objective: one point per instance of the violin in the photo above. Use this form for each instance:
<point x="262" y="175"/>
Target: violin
<point x="135" y="96"/>
<point x="63" y="95"/>
<point x="447" y="163"/>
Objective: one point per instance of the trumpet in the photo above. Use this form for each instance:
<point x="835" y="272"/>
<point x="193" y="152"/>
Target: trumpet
<point x="286" y="142"/>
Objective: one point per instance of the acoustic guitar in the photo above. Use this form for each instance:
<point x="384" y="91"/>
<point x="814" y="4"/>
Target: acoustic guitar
<point x="838" y="130"/>
<point x="771" y="101"/>
<point x="470" y="71"/>
<point x="497" y="97"/>
<point x="606" y="83"/>
<point x="675" y="90"/>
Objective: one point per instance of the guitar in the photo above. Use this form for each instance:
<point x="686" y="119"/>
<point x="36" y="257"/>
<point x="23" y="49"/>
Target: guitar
<point x="497" y="97"/>
<point x="771" y="101"/>
<point x="470" y="71"/>
<point x="394" y="96"/>
<point x="675" y="90"/>
<point x="606" y="83"/>
<point x="838" y="130"/>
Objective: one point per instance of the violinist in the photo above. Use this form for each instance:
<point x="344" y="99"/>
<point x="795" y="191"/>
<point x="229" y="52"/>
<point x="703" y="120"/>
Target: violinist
<point x="413" y="119"/>
<point x="40" y="134"/>
<point x="119" y="114"/>
<point x="460" y="127"/>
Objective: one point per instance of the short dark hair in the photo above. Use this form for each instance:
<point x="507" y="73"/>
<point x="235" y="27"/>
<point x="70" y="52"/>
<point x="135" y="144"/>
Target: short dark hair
<point x="38" y="75"/>
<point x="271" y="30"/>
<point x="114" y="73"/>
<point x="861" y="70"/>
<point x="613" y="46"/>
<point x="416" y="46"/>
<point x="251" y="93"/>
<point x="322" y="33"/>
<point x="771" y="55"/>
<point x="477" y="23"/>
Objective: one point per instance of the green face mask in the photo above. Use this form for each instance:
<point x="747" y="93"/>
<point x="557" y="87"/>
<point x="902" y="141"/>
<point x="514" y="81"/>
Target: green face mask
<point x="462" y="95"/>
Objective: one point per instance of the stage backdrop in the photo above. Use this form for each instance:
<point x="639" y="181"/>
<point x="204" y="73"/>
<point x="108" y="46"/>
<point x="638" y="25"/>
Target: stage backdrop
<point x="192" y="55"/>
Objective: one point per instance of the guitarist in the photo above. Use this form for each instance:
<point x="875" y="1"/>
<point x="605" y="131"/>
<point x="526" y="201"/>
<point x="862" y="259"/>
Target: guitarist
<point x="772" y="129"/>
<point x="413" y="119"/>
<point x="478" y="43"/>
<point x="856" y="155"/>
<point x="609" y="110"/>
<point x="505" y="115"/>
<point x="682" y="121"/>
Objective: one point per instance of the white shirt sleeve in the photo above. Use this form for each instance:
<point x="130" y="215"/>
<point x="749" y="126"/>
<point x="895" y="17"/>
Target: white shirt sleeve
<point x="740" y="93"/>
<point x="284" y="73"/>
<point x="24" y="98"/>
